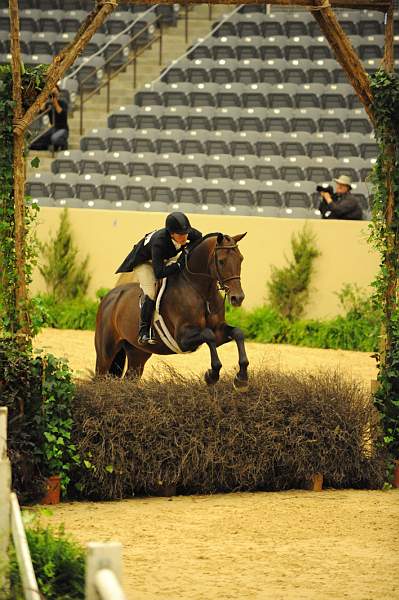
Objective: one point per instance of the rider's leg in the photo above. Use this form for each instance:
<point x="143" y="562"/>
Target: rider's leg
<point x="147" y="281"/>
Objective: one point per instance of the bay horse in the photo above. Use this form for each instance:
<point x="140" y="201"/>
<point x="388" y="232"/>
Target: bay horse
<point x="192" y="308"/>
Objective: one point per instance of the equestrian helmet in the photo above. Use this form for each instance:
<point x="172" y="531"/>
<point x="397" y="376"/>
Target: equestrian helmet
<point x="177" y="222"/>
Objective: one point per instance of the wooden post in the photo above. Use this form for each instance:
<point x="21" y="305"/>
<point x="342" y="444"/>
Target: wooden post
<point x="388" y="167"/>
<point x="344" y="52"/>
<point x="55" y="72"/>
<point x="5" y="487"/>
<point x="389" y="37"/>
<point x="67" y="57"/>
<point x="104" y="570"/>
<point x="18" y="174"/>
<point x="380" y="5"/>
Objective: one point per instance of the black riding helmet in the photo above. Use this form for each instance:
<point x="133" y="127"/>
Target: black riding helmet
<point x="177" y="222"/>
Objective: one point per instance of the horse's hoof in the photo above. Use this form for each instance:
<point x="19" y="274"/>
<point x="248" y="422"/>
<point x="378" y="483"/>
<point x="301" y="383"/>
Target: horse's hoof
<point x="240" y="385"/>
<point x="210" y="378"/>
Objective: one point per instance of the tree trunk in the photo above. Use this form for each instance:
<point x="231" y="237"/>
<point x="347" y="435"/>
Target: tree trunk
<point x="344" y="52"/>
<point x="18" y="177"/>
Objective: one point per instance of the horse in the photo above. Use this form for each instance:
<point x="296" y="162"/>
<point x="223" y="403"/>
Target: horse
<point x="192" y="307"/>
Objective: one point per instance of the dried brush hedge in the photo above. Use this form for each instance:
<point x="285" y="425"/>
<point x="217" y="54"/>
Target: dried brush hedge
<point x="140" y="437"/>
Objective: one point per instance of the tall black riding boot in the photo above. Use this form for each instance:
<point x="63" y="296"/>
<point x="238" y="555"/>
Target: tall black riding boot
<point x="147" y="310"/>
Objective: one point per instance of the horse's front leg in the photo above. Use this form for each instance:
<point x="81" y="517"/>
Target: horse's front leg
<point x="191" y="339"/>
<point x="234" y="333"/>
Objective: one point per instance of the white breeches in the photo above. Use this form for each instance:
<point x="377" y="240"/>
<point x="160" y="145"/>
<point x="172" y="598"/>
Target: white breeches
<point x="146" y="278"/>
<point x="144" y="274"/>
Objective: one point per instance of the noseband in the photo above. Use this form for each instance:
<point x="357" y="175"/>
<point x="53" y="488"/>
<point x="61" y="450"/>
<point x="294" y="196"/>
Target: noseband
<point x="221" y="281"/>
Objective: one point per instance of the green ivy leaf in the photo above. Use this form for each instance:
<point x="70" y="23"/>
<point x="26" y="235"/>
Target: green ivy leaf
<point x="35" y="162"/>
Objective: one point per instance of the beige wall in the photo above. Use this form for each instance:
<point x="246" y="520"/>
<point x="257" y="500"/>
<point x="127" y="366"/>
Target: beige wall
<point x="107" y="236"/>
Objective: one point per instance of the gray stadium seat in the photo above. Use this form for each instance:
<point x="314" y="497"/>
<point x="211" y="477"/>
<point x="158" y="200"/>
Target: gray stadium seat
<point x="200" y="118"/>
<point x="94" y="140"/>
<point x="92" y="161"/>
<point x="214" y="191"/>
<point x="173" y="118"/>
<point x="67" y="161"/>
<point x="149" y="117"/>
<point x="138" y="189"/>
<point x="68" y="203"/>
<point x="117" y="163"/>
<point x="190" y="165"/>
<point x="44" y="201"/>
<point x="63" y="185"/>
<point x="111" y="187"/>
<point x="193" y="142"/>
<point x="88" y="186"/>
<point x="124" y="117"/>
<point x="140" y="163"/>
<point x="164" y="168"/>
<point x="38" y="185"/>
<point x="226" y="119"/>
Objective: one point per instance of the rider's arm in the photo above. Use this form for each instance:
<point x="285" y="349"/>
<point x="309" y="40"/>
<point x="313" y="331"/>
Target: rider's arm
<point x="160" y="269"/>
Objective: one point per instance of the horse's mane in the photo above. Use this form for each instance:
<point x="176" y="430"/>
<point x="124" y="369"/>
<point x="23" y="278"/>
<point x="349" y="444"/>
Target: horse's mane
<point x="198" y="242"/>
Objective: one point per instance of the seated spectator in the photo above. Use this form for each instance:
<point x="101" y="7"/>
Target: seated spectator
<point x="57" y="135"/>
<point x="341" y="204"/>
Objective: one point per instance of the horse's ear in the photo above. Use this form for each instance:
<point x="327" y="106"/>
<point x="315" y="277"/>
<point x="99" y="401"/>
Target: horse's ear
<point x="238" y="238"/>
<point x="220" y="238"/>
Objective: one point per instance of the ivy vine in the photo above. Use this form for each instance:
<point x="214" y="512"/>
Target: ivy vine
<point x="384" y="235"/>
<point x="33" y="80"/>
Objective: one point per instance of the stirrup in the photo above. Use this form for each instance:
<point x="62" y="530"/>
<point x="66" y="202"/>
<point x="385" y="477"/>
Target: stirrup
<point x="146" y="338"/>
<point x="151" y="339"/>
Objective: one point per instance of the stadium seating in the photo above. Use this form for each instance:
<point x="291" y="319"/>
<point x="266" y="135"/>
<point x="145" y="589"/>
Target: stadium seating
<point x="247" y="123"/>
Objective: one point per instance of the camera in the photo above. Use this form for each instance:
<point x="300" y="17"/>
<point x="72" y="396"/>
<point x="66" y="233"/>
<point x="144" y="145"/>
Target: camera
<point x="325" y="188"/>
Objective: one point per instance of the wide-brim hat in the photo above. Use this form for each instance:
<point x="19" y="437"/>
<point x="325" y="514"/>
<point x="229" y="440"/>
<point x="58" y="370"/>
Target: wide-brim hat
<point x="344" y="180"/>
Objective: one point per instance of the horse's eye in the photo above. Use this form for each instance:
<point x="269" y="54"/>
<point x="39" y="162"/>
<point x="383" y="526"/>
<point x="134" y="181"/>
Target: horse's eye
<point x="221" y="262"/>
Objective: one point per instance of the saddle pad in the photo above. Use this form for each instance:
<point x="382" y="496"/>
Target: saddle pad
<point x="160" y="325"/>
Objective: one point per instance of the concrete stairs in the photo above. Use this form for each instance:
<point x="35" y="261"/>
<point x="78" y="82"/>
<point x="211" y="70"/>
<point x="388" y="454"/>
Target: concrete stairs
<point x="148" y="68"/>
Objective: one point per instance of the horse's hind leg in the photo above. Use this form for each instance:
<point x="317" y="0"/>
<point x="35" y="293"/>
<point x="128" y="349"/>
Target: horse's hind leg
<point x="111" y="356"/>
<point x="136" y="360"/>
<point x="118" y="363"/>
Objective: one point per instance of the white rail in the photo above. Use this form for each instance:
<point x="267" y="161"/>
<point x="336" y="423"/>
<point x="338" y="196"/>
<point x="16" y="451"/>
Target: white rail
<point x="30" y="587"/>
<point x="103" y="561"/>
<point x="5" y="483"/>
<point x="104" y="571"/>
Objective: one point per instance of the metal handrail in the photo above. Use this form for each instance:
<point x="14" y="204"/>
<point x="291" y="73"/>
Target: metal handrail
<point x="111" y="41"/>
<point x="199" y="42"/>
<point x="39" y="116"/>
<point x="112" y="74"/>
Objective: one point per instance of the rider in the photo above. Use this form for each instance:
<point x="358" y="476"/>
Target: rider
<point x="148" y="259"/>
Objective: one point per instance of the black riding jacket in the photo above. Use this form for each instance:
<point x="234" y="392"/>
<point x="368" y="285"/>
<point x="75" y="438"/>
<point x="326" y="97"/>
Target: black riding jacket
<point x="158" y="247"/>
<point x="344" y="206"/>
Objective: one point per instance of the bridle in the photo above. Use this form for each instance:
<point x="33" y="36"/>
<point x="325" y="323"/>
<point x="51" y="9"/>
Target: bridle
<point x="220" y="280"/>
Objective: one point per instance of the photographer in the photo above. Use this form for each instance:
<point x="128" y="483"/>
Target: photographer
<point x="57" y="135"/>
<point x="341" y="204"/>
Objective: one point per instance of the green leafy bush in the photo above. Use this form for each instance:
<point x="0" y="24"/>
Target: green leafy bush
<point x="58" y="562"/>
<point x="66" y="279"/>
<point x="357" y="329"/>
<point x="38" y="391"/>
<point x="79" y="313"/>
<point x="288" y="288"/>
